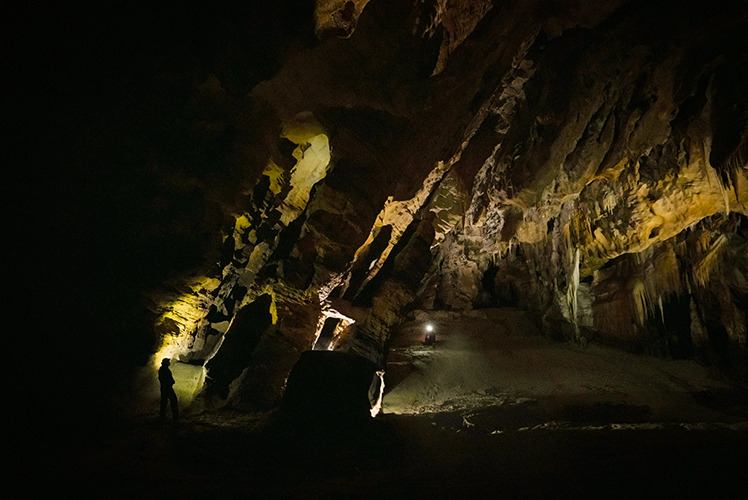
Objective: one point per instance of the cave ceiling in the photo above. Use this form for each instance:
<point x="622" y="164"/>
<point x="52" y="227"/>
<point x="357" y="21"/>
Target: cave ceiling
<point x="359" y="160"/>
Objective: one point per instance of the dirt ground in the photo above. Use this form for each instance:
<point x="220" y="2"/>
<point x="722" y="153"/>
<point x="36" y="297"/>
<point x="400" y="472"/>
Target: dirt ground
<point x="492" y="410"/>
<point x="494" y="366"/>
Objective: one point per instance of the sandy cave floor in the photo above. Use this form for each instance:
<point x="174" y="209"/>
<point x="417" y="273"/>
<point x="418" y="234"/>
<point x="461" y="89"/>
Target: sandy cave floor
<point x="493" y="410"/>
<point x="496" y="366"/>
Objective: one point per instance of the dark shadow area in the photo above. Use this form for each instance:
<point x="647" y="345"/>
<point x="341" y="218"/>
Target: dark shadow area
<point x="671" y="328"/>
<point x="732" y="402"/>
<point x="361" y="266"/>
<point x="603" y="413"/>
<point x="120" y="142"/>
<point x="399" y="457"/>
<point x="328" y="390"/>
<point x="240" y="341"/>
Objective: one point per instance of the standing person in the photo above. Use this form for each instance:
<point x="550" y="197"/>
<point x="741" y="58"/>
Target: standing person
<point x="430" y="338"/>
<point x="168" y="395"/>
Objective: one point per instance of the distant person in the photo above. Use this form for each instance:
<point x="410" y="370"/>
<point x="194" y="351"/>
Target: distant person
<point x="430" y="338"/>
<point x="168" y="396"/>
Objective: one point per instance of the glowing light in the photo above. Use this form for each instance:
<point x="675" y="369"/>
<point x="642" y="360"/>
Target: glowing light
<point x="429" y="327"/>
<point x="378" y="406"/>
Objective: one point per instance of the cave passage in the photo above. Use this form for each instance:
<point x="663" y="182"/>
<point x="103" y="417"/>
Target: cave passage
<point x="325" y="338"/>
<point x="280" y="196"/>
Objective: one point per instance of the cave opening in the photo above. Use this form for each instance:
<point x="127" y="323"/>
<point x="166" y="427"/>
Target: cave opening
<point x="326" y="336"/>
<point x="488" y="284"/>
<point x="672" y="328"/>
<point x="720" y="351"/>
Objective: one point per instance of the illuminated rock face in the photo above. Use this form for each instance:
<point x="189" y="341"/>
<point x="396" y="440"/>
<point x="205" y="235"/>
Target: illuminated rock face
<point x="588" y="165"/>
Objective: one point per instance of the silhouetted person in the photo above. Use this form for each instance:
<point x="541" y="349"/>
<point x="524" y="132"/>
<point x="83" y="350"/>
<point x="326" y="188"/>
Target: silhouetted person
<point x="168" y="395"/>
<point x="348" y="11"/>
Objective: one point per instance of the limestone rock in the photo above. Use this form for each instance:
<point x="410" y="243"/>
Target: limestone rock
<point x="584" y="163"/>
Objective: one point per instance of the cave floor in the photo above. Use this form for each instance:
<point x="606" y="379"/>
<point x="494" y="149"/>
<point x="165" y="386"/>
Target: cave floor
<point x="401" y="457"/>
<point x="495" y="373"/>
<point x="506" y="415"/>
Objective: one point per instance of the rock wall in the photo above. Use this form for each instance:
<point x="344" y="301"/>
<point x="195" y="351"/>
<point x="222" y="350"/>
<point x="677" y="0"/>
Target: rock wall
<point x="584" y="163"/>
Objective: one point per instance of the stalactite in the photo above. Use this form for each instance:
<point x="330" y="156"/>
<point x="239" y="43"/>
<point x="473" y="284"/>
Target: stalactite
<point x="660" y="276"/>
<point x="572" y="291"/>
<point x="710" y="263"/>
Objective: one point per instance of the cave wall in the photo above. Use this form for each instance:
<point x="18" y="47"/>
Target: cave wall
<point x="608" y="155"/>
<point x="586" y="163"/>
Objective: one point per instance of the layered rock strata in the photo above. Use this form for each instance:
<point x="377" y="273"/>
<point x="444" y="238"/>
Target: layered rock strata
<point x="585" y="164"/>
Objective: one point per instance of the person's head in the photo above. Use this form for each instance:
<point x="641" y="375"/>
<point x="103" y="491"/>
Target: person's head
<point x="165" y="362"/>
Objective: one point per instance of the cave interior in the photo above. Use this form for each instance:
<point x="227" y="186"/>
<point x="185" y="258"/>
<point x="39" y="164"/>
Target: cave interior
<point x="287" y="199"/>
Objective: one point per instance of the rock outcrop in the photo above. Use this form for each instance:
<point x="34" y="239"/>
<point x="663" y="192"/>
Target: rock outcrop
<point x="587" y="164"/>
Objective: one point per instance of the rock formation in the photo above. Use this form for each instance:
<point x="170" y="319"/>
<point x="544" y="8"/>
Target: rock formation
<point x="341" y="166"/>
<point x="587" y="164"/>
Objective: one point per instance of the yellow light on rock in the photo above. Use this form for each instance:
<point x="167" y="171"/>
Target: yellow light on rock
<point x="378" y="405"/>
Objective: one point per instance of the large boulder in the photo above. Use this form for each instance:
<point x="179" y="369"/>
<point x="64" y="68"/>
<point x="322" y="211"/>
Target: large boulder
<point x="329" y="389"/>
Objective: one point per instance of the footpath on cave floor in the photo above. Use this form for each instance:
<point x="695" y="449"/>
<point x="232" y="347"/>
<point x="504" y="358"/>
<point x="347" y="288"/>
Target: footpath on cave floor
<point x="492" y="371"/>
